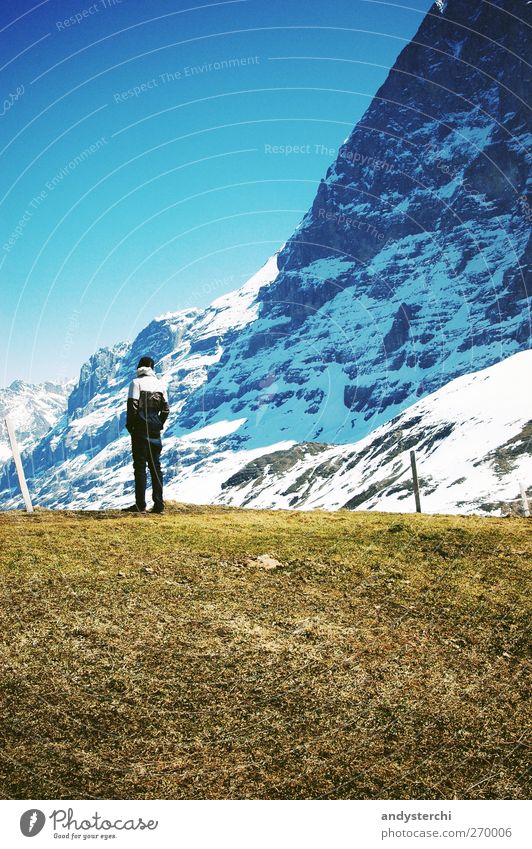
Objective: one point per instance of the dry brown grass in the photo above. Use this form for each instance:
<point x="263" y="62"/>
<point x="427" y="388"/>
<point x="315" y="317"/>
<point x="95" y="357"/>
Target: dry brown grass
<point x="385" y="657"/>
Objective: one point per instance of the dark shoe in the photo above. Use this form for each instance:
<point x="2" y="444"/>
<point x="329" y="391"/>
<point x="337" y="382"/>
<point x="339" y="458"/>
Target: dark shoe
<point x="134" y="509"/>
<point x="157" y="510"/>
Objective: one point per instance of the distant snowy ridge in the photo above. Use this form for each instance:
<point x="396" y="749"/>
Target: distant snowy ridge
<point x="34" y="409"/>
<point x="84" y="460"/>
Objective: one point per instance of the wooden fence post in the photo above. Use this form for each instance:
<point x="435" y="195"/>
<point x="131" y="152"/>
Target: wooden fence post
<point x="18" y="464"/>
<point x="524" y="499"/>
<point x="415" y="480"/>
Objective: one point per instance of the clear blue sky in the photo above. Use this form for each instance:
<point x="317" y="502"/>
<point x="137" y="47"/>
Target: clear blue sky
<point x="118" y="203"/>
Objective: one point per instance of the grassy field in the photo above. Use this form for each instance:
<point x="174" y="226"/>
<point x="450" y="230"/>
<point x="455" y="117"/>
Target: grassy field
<point x="157" y="657"/>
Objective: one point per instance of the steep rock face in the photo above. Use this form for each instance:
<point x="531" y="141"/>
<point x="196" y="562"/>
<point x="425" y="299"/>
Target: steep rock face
<point x="411" y="266"/>
<point x="93" y="377"/>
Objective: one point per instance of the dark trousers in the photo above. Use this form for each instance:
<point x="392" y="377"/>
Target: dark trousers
<point x="147" y="453"/>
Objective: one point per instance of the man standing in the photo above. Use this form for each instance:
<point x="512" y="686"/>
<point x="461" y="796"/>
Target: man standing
<point x="147" y="411"/>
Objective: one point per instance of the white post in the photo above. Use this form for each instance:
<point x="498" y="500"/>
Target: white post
<point x="524" y="499"/>
<point x="18" y="464"/>
<point x="415" y="480"/>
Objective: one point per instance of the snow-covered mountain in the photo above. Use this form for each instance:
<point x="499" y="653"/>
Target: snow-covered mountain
<point x="84" y="460"/>
<point x="34" y="408"/>
<point x="473" y="443"/>
<point x="409" y="271"/>
<point x="411" y="266"/>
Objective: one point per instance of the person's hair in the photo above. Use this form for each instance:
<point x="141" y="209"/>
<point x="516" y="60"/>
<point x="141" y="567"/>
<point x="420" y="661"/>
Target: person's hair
<point x="146" y="362"/>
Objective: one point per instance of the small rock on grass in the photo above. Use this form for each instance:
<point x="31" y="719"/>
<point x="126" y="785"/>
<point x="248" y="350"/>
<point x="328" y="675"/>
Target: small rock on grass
<point x="265" y="561"/>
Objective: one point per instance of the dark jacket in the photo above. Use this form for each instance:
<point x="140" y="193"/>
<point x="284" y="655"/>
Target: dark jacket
<point x="147" y="405"/>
